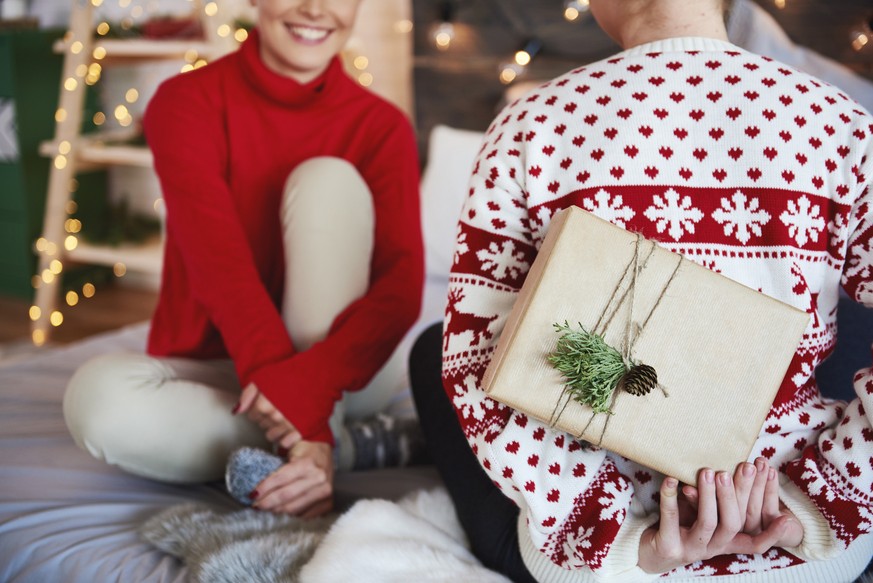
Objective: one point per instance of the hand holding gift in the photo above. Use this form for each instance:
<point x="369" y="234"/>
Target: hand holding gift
<point x="728" y="515"/>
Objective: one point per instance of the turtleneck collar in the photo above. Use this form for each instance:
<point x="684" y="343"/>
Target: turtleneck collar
<point x="279" y="87"/>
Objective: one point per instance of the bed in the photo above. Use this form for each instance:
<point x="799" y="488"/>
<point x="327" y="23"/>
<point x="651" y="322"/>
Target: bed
<point x="65" y="516"/>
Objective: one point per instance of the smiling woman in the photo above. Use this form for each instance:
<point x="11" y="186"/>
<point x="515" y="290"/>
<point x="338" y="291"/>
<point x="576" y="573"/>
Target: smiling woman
<point x="293" y="267"/>
<point x="300" y="37"/>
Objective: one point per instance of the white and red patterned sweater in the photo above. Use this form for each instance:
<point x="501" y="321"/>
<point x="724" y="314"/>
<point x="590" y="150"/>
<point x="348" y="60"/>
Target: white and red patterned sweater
<point x="741" y="164"/>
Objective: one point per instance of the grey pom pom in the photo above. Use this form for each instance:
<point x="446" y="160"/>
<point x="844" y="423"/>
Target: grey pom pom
<point x="246" y="469"/>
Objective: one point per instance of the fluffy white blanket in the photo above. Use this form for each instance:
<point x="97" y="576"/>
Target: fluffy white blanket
<point x="415" y="539"/>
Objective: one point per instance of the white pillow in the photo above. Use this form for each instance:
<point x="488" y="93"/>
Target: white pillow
<point x="444" y="183"/>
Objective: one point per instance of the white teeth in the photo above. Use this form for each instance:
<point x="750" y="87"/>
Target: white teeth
<point x="308" y="33"/>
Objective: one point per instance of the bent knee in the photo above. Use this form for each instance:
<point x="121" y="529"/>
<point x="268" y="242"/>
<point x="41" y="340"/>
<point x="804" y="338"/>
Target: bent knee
<point x="326" y="178"/>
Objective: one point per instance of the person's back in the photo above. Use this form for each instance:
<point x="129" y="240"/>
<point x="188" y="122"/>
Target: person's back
<point x="739" y="163"/>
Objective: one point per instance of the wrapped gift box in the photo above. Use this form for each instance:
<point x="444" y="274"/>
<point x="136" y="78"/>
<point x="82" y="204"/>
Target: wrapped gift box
<point x="720" y="349"/>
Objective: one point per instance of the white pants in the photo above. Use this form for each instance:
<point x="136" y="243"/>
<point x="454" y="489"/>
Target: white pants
<point x="170" y="419"/>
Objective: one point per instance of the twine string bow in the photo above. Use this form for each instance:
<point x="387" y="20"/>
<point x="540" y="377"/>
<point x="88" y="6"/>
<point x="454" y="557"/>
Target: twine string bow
<point x="596" y="372"/>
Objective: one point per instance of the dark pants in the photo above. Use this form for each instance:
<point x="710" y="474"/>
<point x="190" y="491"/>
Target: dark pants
<point x="487" y="516"/>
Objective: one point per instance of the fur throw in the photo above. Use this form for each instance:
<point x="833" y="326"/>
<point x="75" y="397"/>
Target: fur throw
<point x="416" y="539"/>
<point x="238" y="547"/>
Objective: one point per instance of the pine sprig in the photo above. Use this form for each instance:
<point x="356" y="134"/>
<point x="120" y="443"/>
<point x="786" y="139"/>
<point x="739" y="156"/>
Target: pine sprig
<point x="591" y="368"/>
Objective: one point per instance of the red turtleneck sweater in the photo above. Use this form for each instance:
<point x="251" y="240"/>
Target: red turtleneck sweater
<point x="224" y="138"/>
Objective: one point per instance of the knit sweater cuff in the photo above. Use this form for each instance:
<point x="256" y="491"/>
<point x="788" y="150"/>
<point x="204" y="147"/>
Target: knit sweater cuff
<point x="619" y="565"/>
<point x="300" y="395"/>
<point x="818" y="540"/>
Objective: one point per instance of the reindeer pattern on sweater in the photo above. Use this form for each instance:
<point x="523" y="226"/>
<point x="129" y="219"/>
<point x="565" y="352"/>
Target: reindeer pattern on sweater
<point x="746" y="166"/>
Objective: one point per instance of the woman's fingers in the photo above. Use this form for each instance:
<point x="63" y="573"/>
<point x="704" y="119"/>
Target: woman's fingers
<point x="316" y="494"/>
<point x="761" y="542"/>
<point x="246" y="399"/>
<point x="277" y="432"/>
<point x="770" y="509"/>
<point x="661" y="547"/>
<point x="293" y="488"/>
<point x="729" y="519"/>
<point x="290" y="439"/>
<point x="744" y="478"/>
<point x="756" y="498"/>
<point x="284" y="436"/>
<point x="669" y="527"/>
<point x="707" y="510"/>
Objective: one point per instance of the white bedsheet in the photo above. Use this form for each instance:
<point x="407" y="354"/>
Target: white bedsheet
<point x="66" y="517"/>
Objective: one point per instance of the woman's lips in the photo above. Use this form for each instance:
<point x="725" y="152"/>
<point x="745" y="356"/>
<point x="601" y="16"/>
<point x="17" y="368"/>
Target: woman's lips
<point x="308" y="34"/>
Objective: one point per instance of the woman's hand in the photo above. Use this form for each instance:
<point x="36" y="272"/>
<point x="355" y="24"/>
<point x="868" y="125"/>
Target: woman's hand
<point x="260" y="410"/>
<point x="302" y="487"/>
<point x="718" y="527"/>
<point x="757" y="490"/>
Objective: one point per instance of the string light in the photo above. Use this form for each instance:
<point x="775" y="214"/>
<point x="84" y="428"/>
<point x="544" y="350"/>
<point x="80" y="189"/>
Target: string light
<point x="443" y="35"/>
<point x="444" y="32"/>
<point x="90" y="74"/>
<point x="780" y="4"/>
<point x="510" y="71"/>
<point x="861" y="36"/>
<point x="573" y="9"/>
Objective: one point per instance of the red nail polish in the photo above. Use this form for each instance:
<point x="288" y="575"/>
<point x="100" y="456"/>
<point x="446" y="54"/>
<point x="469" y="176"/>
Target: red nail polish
<point x="253" y="494"/>
<point x="235" y="409"/>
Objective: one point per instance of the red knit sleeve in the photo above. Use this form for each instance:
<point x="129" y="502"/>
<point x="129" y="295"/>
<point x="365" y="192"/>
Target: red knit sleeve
<point x="185" y="131"/>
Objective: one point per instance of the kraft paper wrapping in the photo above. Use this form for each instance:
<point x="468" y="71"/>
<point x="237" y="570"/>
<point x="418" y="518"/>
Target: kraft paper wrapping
<point x="720" y="349"/>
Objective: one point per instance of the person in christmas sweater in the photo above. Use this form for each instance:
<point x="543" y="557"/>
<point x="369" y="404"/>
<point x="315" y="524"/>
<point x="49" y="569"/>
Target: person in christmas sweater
<point x="744" y="165"/>
<point x="293" y="266"/>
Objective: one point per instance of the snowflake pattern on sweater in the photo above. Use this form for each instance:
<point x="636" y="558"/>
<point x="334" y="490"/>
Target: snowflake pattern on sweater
<point x="744" y="165"/>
